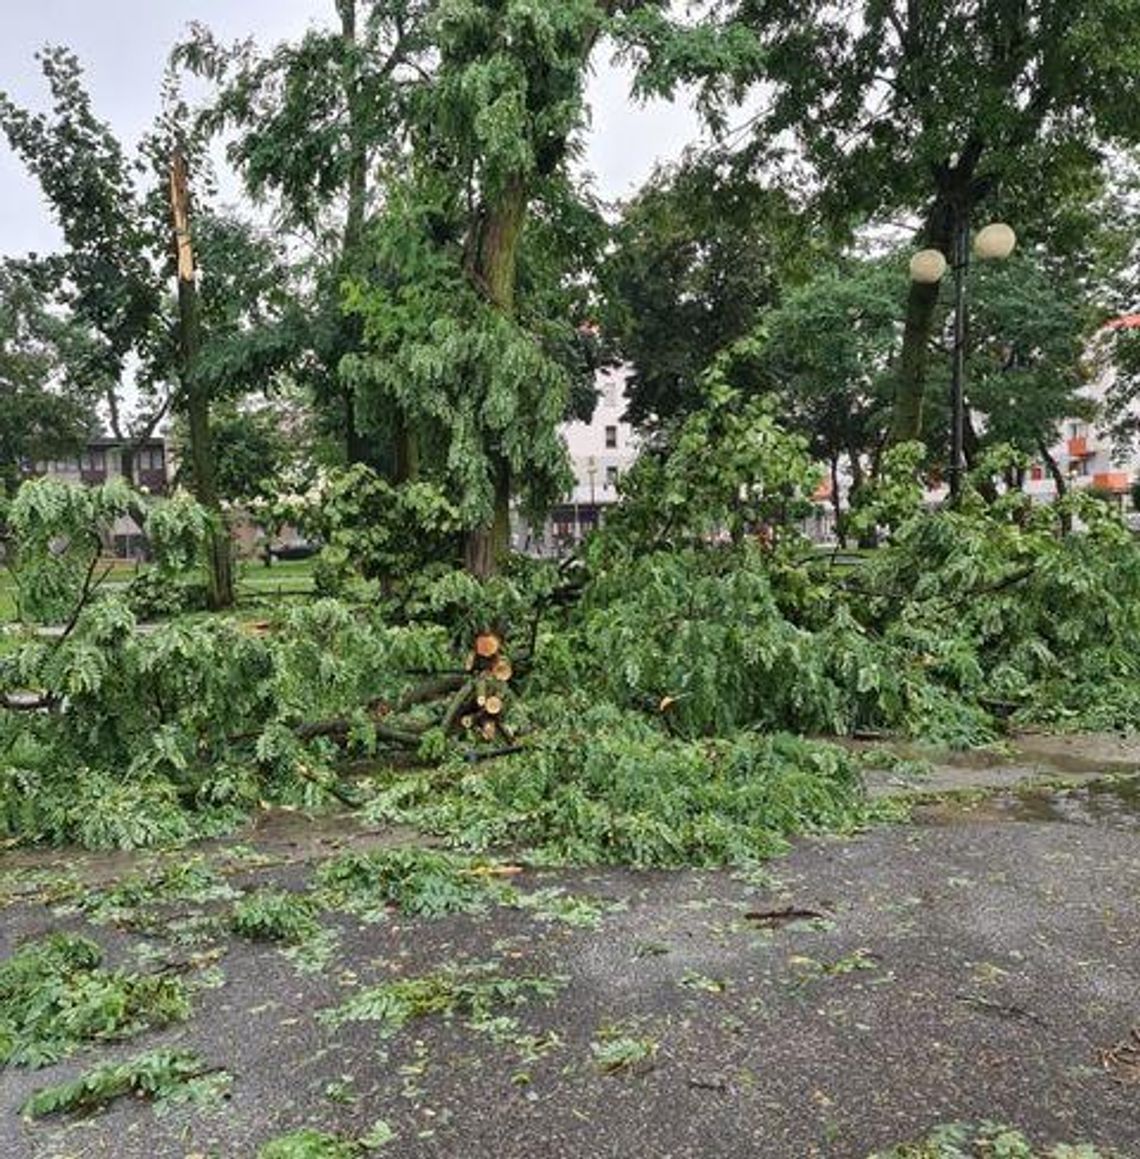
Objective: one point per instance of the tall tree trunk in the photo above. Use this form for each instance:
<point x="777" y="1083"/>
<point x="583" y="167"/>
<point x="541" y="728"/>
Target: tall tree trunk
<point x="972" y="446"/>
<point x="492" y="264"/>
<point x="1059" y="482"/>
<point x="407" y="452"/>
<point x="220" y="579"/>
<point x="957" y="191"/>
<point x="837" y="503"/>
<point x="355" y="445"/>
<point x="921" y="311"/>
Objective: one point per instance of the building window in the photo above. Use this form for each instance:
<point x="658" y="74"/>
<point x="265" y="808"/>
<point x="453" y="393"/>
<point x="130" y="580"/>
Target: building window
<point x="1036" y="473"/>
<point x="611" y="476"/>
<point x="155" y="459"/>
<point x="611" y="438"/>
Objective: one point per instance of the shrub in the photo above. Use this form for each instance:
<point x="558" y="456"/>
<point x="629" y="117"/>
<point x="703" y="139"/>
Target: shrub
<point x="153" y="595"/>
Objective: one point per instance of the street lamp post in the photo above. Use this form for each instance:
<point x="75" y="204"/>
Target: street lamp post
<point x="994" y="242"/>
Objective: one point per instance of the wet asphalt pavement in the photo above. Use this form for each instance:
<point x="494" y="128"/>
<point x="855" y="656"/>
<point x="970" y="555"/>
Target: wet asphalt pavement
<point x="981" y="964"/>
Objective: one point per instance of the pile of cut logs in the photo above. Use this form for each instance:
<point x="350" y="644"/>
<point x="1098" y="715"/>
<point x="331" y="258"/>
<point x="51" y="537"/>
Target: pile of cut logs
<point x="472" y="703"/>
<point x="483" y="698"/>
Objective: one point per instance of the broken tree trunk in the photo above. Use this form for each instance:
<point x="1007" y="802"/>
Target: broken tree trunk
<point x="220" y="578"/>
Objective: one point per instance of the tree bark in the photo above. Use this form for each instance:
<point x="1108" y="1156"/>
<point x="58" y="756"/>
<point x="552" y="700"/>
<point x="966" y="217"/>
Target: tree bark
<point x="220" y="579"/>
<point x="407" y="452"/>
<point x="957" y="191"/>
<point x="921" y="311"/>
<point x="355" y="446"/>
<point x="1059" y="481"/>
<point x="837" y="504"/>
<point x="492" y="264"/>
<point x="972" y="445"/>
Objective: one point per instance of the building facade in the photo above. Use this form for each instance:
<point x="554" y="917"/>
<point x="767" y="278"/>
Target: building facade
<point x="145" y="463"/>
<point x="601" y="451"/>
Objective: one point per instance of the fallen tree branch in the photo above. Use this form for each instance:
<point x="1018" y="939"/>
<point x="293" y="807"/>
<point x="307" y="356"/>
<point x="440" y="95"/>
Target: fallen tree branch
<point x="462" y="697"/>
<point x="339" y="729"/>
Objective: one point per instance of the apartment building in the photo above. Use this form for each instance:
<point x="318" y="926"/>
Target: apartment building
<point x="146" y="463"/>
<point x="600" y="452"/>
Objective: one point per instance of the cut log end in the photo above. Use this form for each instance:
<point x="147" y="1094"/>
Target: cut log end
<point x="487" y="645"/>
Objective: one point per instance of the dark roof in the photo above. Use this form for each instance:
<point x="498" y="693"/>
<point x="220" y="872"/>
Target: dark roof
<point x="106" y="441"/>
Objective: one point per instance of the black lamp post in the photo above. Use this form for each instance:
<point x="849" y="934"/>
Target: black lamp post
<point x="928" y="267"/>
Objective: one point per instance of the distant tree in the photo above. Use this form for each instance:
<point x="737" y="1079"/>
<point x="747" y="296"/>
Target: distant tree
<point x="826" y="357"/>
<point x="256" y="444"/>
<point x="116" y="272"/>
<point x="1030" y="324"/>
<point x="108" y="272"/>
<point x="309" y="126"/>
<point x="698" y="253"/>
<point x="935" y="108"/>
<point x="47" y="405"/>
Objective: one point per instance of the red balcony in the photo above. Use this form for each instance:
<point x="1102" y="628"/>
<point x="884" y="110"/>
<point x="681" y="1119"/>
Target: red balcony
<point x="1118" y="482"/>
<point x="1079" y="448"/>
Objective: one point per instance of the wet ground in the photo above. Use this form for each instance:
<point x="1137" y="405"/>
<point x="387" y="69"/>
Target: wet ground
<point x="981" y="962"/>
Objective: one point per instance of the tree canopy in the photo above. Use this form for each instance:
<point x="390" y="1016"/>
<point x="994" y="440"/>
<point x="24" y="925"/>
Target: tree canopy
<point x="47" y="400"/>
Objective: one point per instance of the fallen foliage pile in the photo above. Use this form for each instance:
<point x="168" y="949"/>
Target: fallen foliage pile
<point x="646" y="705"/>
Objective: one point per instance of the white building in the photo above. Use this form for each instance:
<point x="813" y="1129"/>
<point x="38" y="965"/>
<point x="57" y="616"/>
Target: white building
<point x="1085" y="454"/>
<point x="600" y="451"/>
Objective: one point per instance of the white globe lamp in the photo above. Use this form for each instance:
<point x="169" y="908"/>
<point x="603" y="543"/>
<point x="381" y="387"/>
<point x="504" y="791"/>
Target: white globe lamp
<point x="995" y="242"/>
<point x="928" y="267"/>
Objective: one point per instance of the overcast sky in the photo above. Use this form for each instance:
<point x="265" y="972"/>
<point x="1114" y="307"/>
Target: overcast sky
<point x="123" y="45"/>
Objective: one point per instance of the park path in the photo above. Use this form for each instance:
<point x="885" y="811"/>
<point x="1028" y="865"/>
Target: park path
<point x="980" y="963"/>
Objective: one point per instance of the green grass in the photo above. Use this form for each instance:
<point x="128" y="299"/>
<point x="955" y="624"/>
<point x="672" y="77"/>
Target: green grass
<point x="291" y="577"/>
<point x="255" y="582"/>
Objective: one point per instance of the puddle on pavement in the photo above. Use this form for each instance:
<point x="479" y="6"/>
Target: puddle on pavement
<point x="1114" y="804"/>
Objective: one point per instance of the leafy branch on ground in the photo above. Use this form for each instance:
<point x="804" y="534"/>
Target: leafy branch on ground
<point x="164" y="1076"/>
<point x="55" y="996"/>
<point x="987" y="1141"/>
<point x="472" y="991"/>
